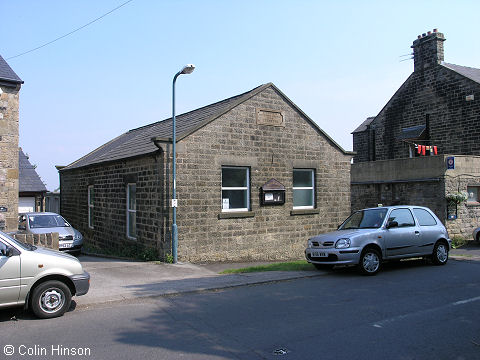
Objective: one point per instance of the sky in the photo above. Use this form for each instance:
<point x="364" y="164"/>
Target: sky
<point x="339" y="61"/>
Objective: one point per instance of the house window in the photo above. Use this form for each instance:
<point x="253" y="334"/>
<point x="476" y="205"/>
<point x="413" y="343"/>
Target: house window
<point x="303" y="188"/>
<point x="132" y="211"/>
<point x="91" y="198"/>
<point x="235" y="188"/>
<point x="473" y="194"/>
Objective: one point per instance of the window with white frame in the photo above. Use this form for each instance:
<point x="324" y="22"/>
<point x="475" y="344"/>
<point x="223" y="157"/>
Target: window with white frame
<point x="132" y="211"/>
<point x="473" y="194"/>
<point x="235" y="188"/>
<point x="303" y="188"/>
<point x="91" y="199"/>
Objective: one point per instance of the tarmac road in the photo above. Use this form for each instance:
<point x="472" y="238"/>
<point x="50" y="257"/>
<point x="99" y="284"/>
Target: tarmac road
<point x="410" y="310"/>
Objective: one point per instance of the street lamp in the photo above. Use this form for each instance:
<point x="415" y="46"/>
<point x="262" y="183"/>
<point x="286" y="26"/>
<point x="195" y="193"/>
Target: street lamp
<point x="187" y="69"/>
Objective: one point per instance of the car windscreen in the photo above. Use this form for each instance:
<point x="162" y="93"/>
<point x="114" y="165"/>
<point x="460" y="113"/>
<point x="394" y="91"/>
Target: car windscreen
<point x="365" y="219"/>
<point x="46" y="221"/>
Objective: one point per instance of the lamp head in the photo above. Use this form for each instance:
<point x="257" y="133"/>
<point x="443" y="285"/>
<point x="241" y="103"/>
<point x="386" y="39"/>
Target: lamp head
<point x="187" y="69"/>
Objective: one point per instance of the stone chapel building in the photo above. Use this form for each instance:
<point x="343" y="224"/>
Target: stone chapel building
<point x="255" y="178"/>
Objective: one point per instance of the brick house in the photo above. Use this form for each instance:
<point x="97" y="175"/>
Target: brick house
<point x="425" y="142"/>
<point x="255" y="178"/>
<point x="10" y="85"/>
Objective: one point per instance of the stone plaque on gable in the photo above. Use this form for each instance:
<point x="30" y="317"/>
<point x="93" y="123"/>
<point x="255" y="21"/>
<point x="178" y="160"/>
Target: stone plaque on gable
<point x="270" y="117"/>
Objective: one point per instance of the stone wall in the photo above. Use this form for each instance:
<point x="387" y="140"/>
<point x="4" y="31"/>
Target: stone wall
<point x="49" y="240"/>
<point x="9" y="102"/>
<point x="418" y="181"/>
<point x="465" y="174"/>
<point x="421" y="181"/>
<point x="269" y="232"/>
<point x="110" y="196"/>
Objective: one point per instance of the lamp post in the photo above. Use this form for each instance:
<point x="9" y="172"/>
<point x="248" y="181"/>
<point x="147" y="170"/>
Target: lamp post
<point x="187" y="69"/>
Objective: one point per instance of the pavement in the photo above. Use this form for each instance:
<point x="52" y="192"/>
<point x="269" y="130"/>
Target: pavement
<point x="115" y="280"/>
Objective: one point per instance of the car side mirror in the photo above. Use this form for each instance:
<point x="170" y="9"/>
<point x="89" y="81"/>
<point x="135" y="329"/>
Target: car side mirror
<point x="392" y="224"/>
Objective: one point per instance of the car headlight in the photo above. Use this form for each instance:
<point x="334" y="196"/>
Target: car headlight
<point x="342" y="243"/>
<point x="77" y="236"/>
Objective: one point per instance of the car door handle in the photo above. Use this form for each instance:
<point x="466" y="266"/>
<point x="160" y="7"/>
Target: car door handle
<point x="417" y="233"/>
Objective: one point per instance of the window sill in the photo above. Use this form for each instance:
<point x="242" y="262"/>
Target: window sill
<point x="236" y="215"/>
<point x="304" y="212"/>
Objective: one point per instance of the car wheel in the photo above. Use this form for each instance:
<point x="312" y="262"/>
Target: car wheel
<point x="50" y="299"/>
<point x="370" y="262"/>
<point x="323" y="266"/>
<point x="478" y="238"/>
<point x="440" y="253"/>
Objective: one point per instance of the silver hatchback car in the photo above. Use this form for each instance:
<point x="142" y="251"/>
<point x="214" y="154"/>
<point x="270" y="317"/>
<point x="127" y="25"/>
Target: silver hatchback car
<point x="370" y="236"/>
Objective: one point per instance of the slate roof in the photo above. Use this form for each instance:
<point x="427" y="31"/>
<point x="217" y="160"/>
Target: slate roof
<point x="7" y="74"/>
<point x="139" y="141"/>
<point x="363" y="126"/>
<point x="28" y="179"/>
<point x="468" y="72"/>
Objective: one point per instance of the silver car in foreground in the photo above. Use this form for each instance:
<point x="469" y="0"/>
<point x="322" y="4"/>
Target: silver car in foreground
<point x="370" y="236"/>
<point x="43" y="280"/>
<point x="69" y="239"/>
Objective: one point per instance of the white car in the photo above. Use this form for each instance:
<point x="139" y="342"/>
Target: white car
<point x="43" y="280"/>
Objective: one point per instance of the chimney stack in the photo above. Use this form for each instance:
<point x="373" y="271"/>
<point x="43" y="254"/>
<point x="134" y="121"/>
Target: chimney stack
<point x="428" y="50"/>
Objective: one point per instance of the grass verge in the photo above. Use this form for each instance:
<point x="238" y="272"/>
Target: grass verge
<point x="300" y="265"/>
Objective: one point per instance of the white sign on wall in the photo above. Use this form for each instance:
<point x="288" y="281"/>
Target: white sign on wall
<point x="225" y="204"/>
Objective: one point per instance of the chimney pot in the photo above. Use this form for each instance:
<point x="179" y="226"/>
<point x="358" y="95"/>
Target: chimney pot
<point x="428" y="50"/>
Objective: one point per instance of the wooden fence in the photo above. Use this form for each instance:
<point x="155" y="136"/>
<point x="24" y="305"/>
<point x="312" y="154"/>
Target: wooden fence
<point x="49" y="240"/>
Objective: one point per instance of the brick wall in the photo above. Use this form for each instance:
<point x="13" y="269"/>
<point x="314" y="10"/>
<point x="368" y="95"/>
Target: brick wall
<point x="110" y="182"/>
<point x="270" y="152"/>
<point x="9" y="102"/>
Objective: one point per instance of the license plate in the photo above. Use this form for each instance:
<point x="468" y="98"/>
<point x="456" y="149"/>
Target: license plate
<point x="319" y="254"/>
<point x="65" y="245"/>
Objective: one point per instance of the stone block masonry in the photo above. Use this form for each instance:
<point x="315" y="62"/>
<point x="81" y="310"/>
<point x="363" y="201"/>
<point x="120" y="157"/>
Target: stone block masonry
<point x="271" y="232"/>
<point x="9" y="102"/>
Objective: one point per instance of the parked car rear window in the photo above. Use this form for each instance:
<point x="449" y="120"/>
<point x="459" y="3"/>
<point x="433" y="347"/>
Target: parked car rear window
<point x="424" y="217"/>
